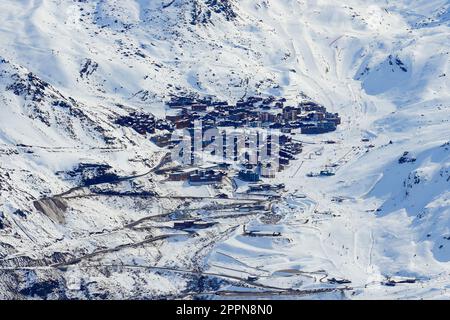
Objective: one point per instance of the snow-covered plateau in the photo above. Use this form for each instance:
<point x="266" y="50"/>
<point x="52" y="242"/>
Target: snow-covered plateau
<point x="86" y="211"/>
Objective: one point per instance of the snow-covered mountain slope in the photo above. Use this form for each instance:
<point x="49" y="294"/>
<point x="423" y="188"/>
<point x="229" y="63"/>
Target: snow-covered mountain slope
<point x="70" y="69"/>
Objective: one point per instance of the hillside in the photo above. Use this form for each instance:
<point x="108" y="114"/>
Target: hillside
<point x="84" y="214"/>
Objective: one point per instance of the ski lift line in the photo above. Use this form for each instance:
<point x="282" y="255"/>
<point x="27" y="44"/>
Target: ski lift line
<point x="32" y="47"/>
<point x="336" y="40"/>
<point x="240" y="262"/>
<point x="238" y="271"/>
<point x="165" y="6"/>
<point x="298" y="169"/>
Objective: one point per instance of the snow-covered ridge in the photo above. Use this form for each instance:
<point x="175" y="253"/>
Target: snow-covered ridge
<point x="70" y="69"/>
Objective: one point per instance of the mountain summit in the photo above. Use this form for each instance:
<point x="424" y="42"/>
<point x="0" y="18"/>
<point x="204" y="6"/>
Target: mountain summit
<point x="91" y="207"/>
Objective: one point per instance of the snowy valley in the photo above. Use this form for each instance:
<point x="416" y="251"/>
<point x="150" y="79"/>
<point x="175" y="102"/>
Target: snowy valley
<point x="90" y="208"/>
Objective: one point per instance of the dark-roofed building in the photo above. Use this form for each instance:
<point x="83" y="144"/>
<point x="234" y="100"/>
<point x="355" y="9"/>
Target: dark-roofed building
<point x="248" y="176"/>
<point x="206" y="177"/>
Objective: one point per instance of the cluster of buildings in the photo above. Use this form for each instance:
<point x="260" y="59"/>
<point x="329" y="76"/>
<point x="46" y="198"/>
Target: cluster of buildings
<point x="142" y="123"/>
<point x="269" y="112"/>
<point x="254" y="112"/>
<point x="251" y="160"/>
<point x="199" y="176"/>
<point x="259" y="113"/>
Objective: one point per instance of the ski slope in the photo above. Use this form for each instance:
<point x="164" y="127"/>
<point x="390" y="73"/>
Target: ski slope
<point x="383" y="65"/>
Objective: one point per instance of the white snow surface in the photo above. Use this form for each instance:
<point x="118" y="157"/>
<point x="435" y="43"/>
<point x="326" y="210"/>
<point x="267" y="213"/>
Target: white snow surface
<point x="383" y="65"/>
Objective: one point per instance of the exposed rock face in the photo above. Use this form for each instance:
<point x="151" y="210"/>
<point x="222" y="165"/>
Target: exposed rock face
<point x="54" y="208"/>
<point x="203" y="10"/>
